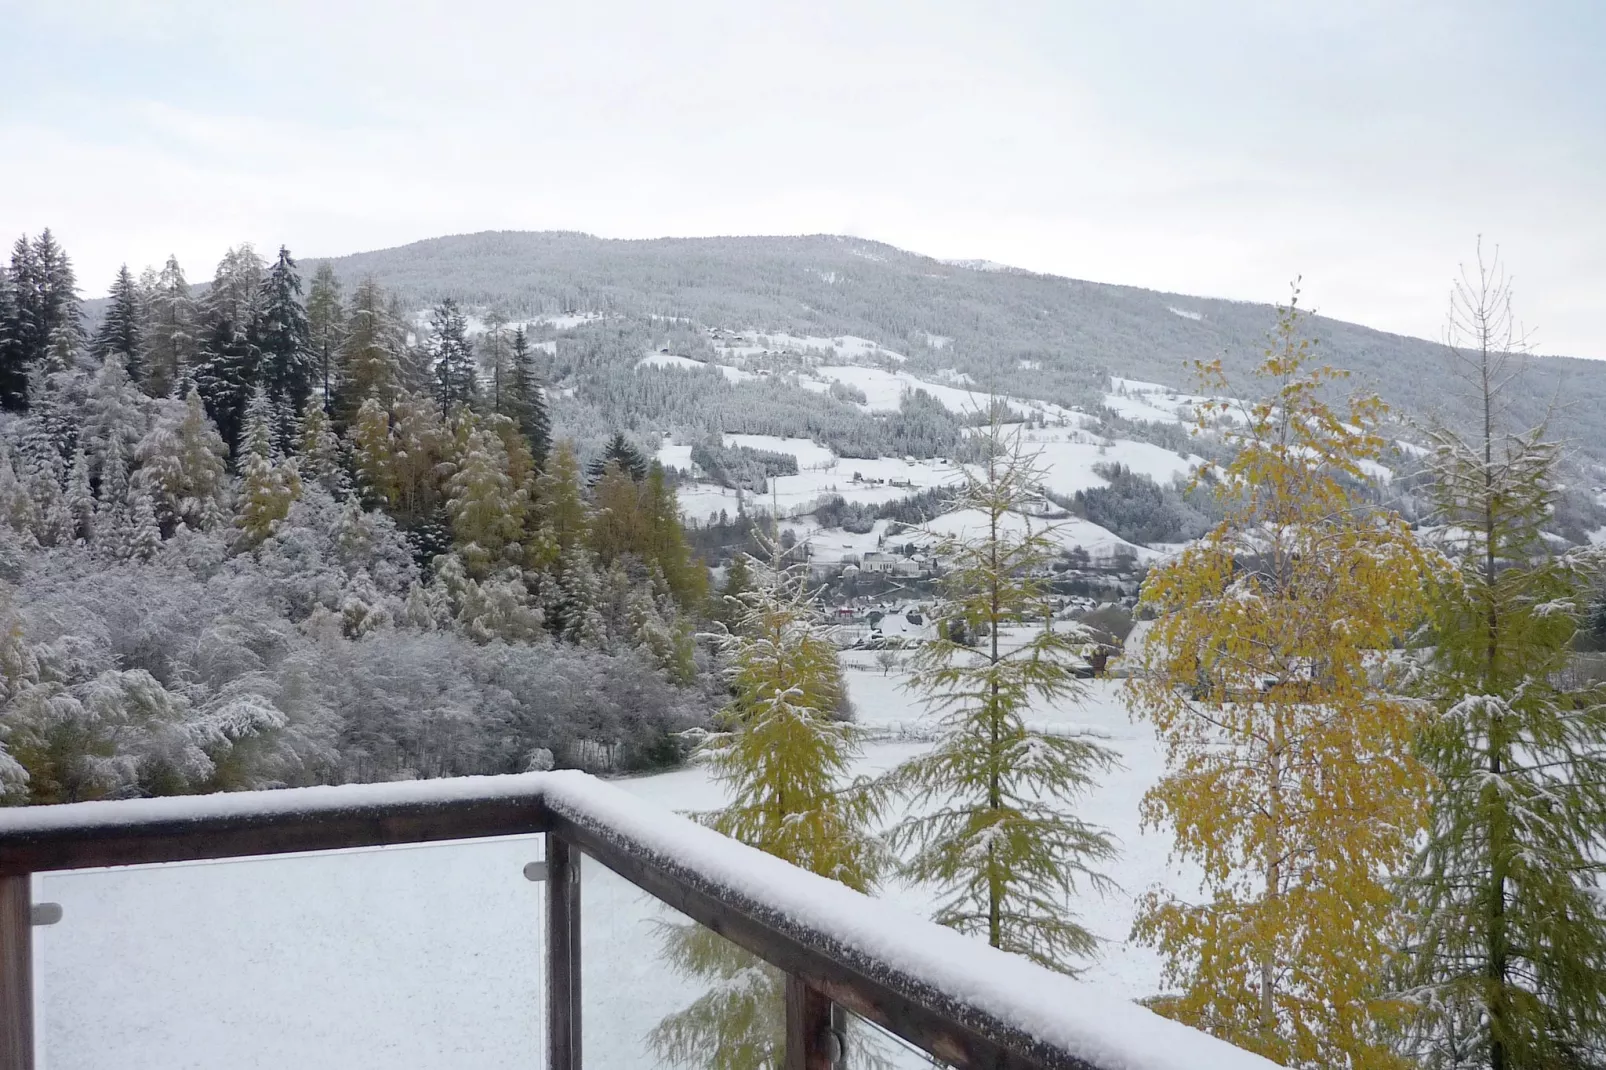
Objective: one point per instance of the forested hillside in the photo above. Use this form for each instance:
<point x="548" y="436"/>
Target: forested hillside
<point x="1036" y="335"/>
<point x="265" y="536"/>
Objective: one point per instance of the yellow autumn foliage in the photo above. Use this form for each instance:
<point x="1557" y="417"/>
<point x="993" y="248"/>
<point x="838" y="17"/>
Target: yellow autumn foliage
<point x="1289" y="777"/>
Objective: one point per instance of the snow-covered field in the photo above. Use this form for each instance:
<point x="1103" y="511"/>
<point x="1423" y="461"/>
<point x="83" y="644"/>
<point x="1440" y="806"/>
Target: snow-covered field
<point x="428" y="957"/>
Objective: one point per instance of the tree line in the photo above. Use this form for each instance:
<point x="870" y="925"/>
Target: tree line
<point x="314" y="485"/>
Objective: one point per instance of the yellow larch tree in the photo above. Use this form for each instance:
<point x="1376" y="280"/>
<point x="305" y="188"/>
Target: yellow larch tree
<point x="1289" y="776"/>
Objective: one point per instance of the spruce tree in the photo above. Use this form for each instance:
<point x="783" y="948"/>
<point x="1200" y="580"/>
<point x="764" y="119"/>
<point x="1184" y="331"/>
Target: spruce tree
<point x="319" y="457"/>
<point x="120" y="329"/>
<point x="1506" y="950"/>
<point x="13" y="368"/>
<point x="184" y="464"/>
<point x="81" y="499"/>
<point x="1289" y="774"/>
<point x="269" y="483"/>
<point x="229" y="366"/>
<point x="326" y="328"/>
<point x="45" y="326"/>
<point x="115" y="409"/>
<point x="287" y="368"/>
<point x="990" y="825"/>
<point x="527" y="401"/>
<point x="370" y="355"/>
<point x="451" y="357"/>
<point x="171" y="343"/>
<point x="620" y="453"/>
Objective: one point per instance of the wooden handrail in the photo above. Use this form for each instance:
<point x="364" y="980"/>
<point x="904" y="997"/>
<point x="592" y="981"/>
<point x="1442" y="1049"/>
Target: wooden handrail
<point x="910" y="977"/>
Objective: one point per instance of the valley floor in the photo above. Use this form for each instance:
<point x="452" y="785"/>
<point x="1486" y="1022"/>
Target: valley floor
<point x="427" y="957"/>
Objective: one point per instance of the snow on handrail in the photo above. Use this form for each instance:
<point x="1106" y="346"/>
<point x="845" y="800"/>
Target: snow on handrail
<point x="1014" y="1001"/>
<point x="977" y="984"/>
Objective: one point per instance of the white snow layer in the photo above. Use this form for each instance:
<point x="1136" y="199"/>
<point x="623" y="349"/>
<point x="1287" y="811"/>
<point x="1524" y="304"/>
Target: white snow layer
<point x="1083" y="1019"/>
<point x="428" y="958"/>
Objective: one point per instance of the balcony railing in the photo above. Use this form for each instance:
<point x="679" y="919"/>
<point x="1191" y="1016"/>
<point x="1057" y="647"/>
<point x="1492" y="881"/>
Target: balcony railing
<point x="951" y="996"/>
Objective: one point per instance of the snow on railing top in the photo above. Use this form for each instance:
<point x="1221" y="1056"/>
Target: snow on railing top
<point x="976" y="984"/>
<point x="1078" y="1018"/>
<point x="287" y="802"/>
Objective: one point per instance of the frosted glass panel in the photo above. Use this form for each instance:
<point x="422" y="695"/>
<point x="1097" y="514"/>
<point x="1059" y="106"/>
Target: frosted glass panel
<point x="414" y="957"/>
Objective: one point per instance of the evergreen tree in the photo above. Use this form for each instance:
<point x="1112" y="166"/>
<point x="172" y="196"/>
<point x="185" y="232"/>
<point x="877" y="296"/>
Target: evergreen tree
<point x="142" y="538"/>
<point x="1000" y="843"/>
<point x="269" y="483"/>
<point x="183" y="462"/>
<point x="229" y="366"/>
<point x="288" y="369"/>
<point x="53" y="524"/>
<point x="526" y="401"/>
<point x="486" y="507"/>
<point x="112" y="499"/>
<point x="171" y="344"/>
<point x="496" y="364"/>
<point x="115" y="410"/>
<point x="13" y="368"/>
<point x="81" y="499"/>
<point x="1506" y="956"/>
<point x="120" y="330"/>
<point x="45" y="321"/>
<point x="326" y="328"/>
<point x="620" y="453"/>
<point x="578" y="617"/>
<point x="373" y="454"/>
<point x="560" y="500"/>
<point x="451" y="357"/>
<point x="1290" y="779"/>
<point x="370" y="356"/>
<point x="319" y="457"/>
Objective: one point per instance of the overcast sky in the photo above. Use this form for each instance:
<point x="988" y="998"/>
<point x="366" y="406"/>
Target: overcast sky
<point x="1216" y="152"/>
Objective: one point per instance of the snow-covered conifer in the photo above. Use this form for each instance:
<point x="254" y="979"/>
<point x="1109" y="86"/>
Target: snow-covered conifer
<point x="115" y="410"/>
<point x="319" y="456"/>
<point x="486" y="507"/>
<point x="80" y="499"/>
<point x="785" y="758"/>
<point x="990" y="823"/>
<point x="120" y="328"/>
<point x="326" y="328"/>
<point x="1505" y="956"/>
<point x="171" y="344"/>
<point x="370" y="354"/>
<point x="269" y="483"/>
<point x="451" y="356"/>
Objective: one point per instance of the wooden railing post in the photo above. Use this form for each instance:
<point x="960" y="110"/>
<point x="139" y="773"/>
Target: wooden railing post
<point x="16" y="973"/>
<point x="810" y="1042"/>
<point x="563" y="954"/>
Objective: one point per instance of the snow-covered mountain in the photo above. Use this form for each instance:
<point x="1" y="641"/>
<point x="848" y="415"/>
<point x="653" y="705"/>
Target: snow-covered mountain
<point x="791" y="374"/>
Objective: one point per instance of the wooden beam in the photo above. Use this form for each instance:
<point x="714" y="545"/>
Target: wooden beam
<point x="16" y="973"/>
<point x="165" y="839"/>
<point x="809" y="1042"/>
<point x="563" y="954"/>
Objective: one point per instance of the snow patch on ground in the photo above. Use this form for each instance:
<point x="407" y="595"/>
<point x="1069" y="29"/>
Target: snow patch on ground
<point x="809" y="453"/>
<point x="1068" y="532"/>
<point x="670" y="360"/>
